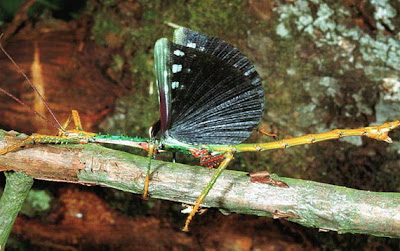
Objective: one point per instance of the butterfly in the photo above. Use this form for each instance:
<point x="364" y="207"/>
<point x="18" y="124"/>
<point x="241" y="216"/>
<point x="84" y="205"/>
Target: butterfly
<point x="209" y="92"/>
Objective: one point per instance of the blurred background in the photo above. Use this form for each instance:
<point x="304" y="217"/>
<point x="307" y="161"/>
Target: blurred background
<point x="324" y="65"/>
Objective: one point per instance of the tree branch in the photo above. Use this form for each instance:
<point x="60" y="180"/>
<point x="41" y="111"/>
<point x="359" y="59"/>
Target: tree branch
<point x="308" y="203"/>
<point x="17" y="188"/>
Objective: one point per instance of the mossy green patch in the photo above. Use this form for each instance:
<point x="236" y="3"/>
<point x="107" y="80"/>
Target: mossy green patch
<point x="37" y="202"/>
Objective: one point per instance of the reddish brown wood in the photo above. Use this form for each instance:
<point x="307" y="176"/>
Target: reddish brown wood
<point x="70" y="77"/>
<point x="83" y="221"/>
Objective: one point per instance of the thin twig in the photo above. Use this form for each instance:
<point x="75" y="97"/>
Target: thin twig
<point x="17" y="188"/>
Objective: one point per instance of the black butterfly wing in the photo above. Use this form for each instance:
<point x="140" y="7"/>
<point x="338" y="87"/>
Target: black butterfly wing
<point x="214" y="46"/>
<point x="209" y="92"/>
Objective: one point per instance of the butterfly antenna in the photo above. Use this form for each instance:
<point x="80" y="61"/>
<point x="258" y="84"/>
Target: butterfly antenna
<point x="30" y="108"/>
<point x="58" y="126"/>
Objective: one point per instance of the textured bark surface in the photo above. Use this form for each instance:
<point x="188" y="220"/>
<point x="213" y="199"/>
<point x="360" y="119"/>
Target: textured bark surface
<point x="308" y="203"/>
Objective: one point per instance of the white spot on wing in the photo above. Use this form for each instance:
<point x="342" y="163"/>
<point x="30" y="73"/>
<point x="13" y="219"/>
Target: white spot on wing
<point x="191" y="45"/>
<point x="174" y="85"/>
<point x="176" y="68"/>
<point x="250" y="71"/>
<point x="179" y="53"/>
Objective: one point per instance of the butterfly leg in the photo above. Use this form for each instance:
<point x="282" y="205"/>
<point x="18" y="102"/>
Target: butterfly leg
<point x="147" y="179"/>
<point x="74" y="116"/>
<point x="78" y="131"/>
<point x="218" y="171"/>
<point x="262" y="131"/>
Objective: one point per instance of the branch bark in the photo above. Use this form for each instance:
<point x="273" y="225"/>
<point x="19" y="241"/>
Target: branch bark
<point x="308" y="203"/>
<point x="17" y="188"/>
